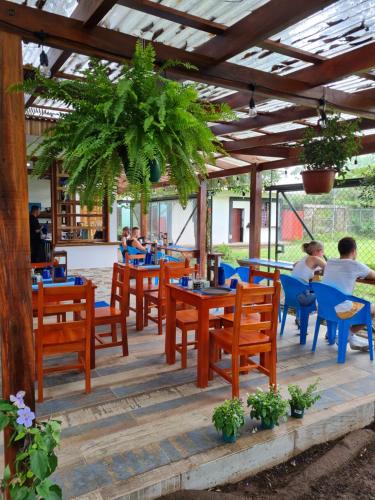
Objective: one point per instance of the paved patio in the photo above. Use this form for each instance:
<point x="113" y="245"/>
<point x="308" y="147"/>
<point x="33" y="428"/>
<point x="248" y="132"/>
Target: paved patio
<point x="146" y="428"/>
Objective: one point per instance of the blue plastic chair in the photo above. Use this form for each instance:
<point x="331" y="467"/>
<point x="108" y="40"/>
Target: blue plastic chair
<point x="244" y="273"/>
<point x="328" y="297"/>
<point x="229" y="270"/>
<point x="292" y="288"/>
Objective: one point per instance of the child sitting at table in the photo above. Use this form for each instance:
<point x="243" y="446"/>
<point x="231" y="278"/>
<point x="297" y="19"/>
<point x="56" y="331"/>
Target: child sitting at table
<point x="305" y="268"/>
<point x="343" y="274"/>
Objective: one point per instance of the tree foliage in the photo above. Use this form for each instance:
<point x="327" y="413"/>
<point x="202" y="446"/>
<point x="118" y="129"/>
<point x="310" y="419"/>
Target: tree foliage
<point x="123" y="126"/>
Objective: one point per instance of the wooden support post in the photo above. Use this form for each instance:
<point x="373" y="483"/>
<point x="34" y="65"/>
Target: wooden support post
<point x="144" y="221"/>
<point x="17" y="354"/>
<point x="255" y="213"/>
<point x="202" y="228"/>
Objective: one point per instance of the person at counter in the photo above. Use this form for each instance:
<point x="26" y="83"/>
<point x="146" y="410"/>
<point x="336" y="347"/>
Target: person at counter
<point x="36" y="243"/>
<point x="133" y="240"/>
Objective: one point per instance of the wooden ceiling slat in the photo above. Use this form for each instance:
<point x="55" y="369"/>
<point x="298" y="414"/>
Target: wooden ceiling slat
<point x="269" y="19"/>
<point x="259" y="121"/>
<point x="90" y="12"/>
<point x="289" y="51"/>
<point x="174" y="15"/>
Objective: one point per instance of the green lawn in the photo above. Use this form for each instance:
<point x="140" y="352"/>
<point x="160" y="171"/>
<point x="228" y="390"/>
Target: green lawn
<point x="292" y="253"/>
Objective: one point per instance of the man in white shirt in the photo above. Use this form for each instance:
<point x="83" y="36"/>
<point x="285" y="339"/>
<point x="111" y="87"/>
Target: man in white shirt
<point x="343" y="274"/>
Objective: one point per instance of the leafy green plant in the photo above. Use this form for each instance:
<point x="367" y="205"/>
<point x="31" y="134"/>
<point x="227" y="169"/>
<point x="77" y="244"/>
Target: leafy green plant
<point x="267" y="406"/>
<point x="227" y="252"/>
<point x="139" y="122"/>
<point x="367" y="193"/>
<point x="330" y="147"/>
<point x="229" y="417"/>
<point x="35" y="459"/>
<point x="300" y="399"/>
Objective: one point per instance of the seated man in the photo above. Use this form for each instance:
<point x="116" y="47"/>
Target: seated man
<point x="132" y="241"/>
<point x="343" y="274"/>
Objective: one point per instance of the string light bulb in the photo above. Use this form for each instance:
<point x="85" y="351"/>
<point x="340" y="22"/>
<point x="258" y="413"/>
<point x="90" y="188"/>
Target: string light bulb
<point x="322" y="122"/>
<point x="252" y="107"/>
<point x="44" y="64"/>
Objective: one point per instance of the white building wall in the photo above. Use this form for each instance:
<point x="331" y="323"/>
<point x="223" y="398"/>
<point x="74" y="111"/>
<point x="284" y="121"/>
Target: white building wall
<point x="39" y="191"/>
<point x="179" y="218"/>
<point x="220" y="218"/>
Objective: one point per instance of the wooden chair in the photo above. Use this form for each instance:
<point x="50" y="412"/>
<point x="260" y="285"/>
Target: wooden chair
<point x="150" y="287"/>
<point x="68" y="336"/>
<point x="113" y="315"/>
<point x="255" y="337"/>
<point x="156" y="299"/>
<point x="255" y="276"/>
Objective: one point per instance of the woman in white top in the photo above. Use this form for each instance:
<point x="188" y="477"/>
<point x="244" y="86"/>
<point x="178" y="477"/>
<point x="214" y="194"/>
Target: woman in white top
<point x="305" y="268"/>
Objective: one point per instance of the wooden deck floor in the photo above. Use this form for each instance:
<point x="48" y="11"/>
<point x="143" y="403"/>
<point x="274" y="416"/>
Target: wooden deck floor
<point x="144" y="418"/>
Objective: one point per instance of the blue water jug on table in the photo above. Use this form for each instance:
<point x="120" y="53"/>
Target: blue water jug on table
<point x="221" y="276"/>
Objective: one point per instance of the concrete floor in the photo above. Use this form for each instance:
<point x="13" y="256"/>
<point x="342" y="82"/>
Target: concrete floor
<point x="146" y="428"/>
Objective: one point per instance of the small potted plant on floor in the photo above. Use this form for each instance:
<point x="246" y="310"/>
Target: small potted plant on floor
<point x="302" y="400"/>
<point x="326" y="150"/>
<point x="228" y="418"/>
<point x="267" y="406"/>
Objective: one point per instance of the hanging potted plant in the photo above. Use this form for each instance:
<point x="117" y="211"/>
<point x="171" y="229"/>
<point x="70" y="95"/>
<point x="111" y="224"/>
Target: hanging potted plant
<point x="228" y="418"/>
<point x="326" y="151"/>
<point x="301" y="400"/>
<point x="267" y="406"/>
<point x="141" y="125"/>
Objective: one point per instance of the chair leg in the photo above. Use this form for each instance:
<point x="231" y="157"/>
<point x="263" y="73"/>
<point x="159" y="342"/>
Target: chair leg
<point x="87" y="372"/>
<point x="343" y="340"/>
<point x="212" y="349"/>
<point x="39" y="369"/>
<point x="146" y="312"/>
<point x="124" y="338"/>
<point x="92" y="348"/>
<point x="114" y="332"/>
<point x="304" y="319"/>
<point x="160" y="320"/>
<point x="285" y="312"/>
<point x="272" y="366"/>
<point x="331" y="332"/>
<point x="370" y="342"/>
<point x="316" y="333"/>
<point x="184" y="334"/>
<point x="235" y="377"/>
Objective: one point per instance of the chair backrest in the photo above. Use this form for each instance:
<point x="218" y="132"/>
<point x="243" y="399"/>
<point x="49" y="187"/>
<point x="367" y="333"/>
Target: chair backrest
<point x="293" y="287"/>
<point x="263" y="300"/>
<point x="229" y="270"/>
<point x="131" y="257"/>
<point x="174" y="270"/>
<point x="249" y="274"/>
<point x="134" y="251"/>
<point x="120" y="287"/>
<point x="328" y="297"/>
<point x="71" y="300"/>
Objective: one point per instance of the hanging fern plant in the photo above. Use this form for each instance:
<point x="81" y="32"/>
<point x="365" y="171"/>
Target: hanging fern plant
<point x="139" y="123"/>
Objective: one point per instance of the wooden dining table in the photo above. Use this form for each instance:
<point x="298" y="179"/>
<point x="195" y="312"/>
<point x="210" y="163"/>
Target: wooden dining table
<point x="203" y="303"/>
<point x="140" y="273"/>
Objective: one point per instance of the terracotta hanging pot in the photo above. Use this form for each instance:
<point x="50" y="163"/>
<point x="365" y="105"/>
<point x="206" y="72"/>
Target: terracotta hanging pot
<point x="318" y="181"/>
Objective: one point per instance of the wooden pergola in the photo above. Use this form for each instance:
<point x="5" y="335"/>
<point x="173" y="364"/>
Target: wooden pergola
<point x="241" y="49"/>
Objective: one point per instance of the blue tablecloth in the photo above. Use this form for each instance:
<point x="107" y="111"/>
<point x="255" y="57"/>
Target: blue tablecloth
<point x="48" y="283"/>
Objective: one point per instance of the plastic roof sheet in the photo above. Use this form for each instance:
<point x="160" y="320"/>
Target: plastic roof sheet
<point x="341" y="27"/>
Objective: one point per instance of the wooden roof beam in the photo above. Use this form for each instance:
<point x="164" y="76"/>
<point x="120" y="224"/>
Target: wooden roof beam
<point x="267" y="20"/>
<point x="174" y="15"/>
<point x="68" y="34"/>
<point x="264" y="120"/>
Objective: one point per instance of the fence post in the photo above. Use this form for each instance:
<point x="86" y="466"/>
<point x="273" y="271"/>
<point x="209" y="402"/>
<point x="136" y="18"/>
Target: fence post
<point x="202" y="223"/>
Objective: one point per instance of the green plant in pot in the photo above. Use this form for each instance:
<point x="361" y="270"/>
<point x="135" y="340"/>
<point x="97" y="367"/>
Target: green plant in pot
<point x="326" y="150"/>
<point x="301" y="400"/>
<point x="29" y="476"/>
<point x="141" y="125"/>
<point x="267" y="406"/>
<point x="228" y="418"/>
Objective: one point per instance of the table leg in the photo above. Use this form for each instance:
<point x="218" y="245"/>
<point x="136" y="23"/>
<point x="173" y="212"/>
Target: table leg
<point x="139" y="302"/>
<point x="203" y="347"/>
<point x="170" y="328"/>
